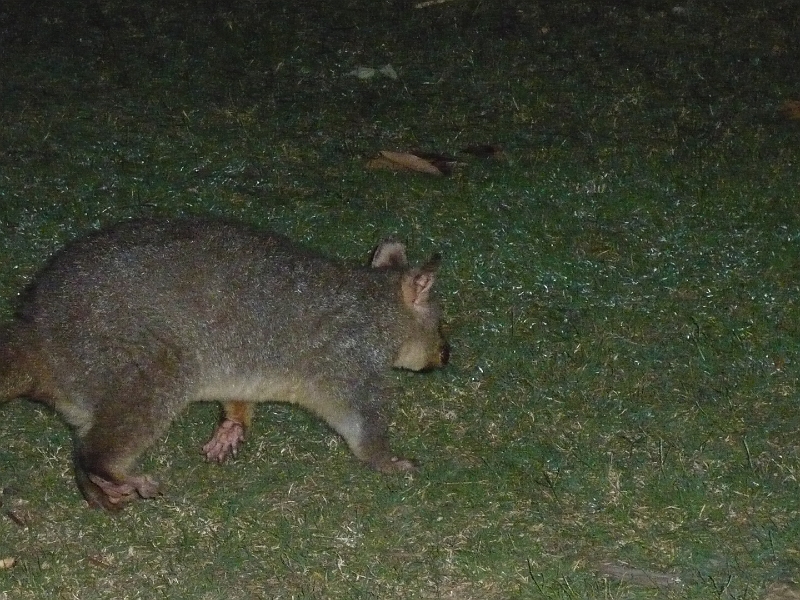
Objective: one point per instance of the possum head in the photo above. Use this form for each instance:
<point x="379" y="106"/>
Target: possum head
<point x="423" y="346"/>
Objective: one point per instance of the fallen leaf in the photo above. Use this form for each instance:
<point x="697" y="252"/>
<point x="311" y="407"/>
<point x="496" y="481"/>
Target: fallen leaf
<point x="790" y="109"/>
<point x="369" y="72"/>
<point x="8" y="562"/>
<point x="403" y="161"/>
<point x="444" y="163"/>
<point x="363" y="72"/>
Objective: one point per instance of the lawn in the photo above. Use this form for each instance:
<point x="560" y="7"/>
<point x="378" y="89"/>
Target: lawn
<point x="620" y="283"/>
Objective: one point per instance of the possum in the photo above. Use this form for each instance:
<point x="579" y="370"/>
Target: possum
<point x="123" y="328"/>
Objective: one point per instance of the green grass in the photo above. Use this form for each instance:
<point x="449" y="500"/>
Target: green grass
<point x="620" y="287"/>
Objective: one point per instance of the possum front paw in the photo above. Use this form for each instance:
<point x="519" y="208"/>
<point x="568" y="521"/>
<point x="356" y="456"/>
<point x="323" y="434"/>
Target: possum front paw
<point x="112" y="495"/>
<point x="225" y="441"/>
<point x="393" y="465"/>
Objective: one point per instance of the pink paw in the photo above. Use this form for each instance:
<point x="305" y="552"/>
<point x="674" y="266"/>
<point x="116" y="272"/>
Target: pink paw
<point x="117" y="494"/>
<point x="225" y="441"/>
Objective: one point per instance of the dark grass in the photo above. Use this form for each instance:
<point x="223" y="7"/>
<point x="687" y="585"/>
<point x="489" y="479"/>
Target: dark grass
<point x="620" y="287"/>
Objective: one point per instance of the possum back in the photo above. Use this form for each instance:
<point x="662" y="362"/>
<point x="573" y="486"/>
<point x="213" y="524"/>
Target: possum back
<point x="218" y="289"/>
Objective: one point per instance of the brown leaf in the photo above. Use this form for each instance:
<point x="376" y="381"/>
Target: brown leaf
<point x="790" y="109"/>
<point x="380" y="162"/>
<point x="444" y="163"/>
<point x="403" y="161"/>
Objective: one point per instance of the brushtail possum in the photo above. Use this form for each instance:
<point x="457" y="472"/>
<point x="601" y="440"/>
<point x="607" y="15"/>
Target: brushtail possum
<point x="123" y="328"/>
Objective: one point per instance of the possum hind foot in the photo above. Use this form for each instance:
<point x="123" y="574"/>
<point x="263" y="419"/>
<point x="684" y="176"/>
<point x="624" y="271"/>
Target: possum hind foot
<point x="112" y="495"/>
<point x="225" y="441"/>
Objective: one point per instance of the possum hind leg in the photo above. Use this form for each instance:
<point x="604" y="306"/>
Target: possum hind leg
<point x="135" y="401"/>
<point x="104" y="457"/>
<point x="125" y="424"/>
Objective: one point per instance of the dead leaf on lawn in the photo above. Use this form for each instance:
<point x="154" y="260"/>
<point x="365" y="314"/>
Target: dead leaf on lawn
<point x="403" y="161"/>
<point x="790" y="109"/>
<point x="8" y="562"/>
<point x="445" y="164"/>
<point x="370" y="72"/>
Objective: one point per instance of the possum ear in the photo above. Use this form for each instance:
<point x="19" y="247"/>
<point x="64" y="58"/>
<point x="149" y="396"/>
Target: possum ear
<point x="389" y="254"/>
<point x="417" y="284"/>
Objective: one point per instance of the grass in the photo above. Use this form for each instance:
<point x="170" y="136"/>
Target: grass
<point x="620" y="419"/>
